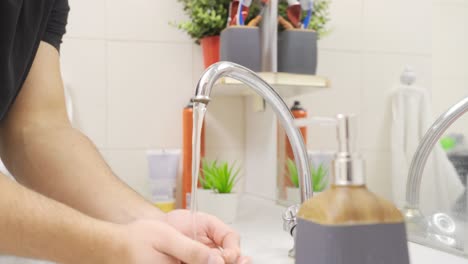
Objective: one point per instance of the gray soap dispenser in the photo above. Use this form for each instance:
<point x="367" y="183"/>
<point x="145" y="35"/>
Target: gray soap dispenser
<point x="348" y="224"/>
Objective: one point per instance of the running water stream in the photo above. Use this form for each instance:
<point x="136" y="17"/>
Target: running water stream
<point x="199" y="110"/>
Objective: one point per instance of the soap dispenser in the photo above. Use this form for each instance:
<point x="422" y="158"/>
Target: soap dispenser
<point x="348" y="224"/>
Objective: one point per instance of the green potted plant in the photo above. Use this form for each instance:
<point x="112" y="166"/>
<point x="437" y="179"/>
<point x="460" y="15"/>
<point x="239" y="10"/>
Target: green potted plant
<point x="205" y="188"/>
<point x="319" y="177"/>
<point x="207" y="18"/>
<point x="217" y="196"/>
<point x="297" y="48"/>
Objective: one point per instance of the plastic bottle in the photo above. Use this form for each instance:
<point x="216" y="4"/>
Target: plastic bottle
<point x="348" y="224"/>
<point x="298" y="112"/>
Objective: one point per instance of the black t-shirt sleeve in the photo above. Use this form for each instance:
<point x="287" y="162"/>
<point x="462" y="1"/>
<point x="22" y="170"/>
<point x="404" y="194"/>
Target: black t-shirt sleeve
<point x="56" y="25"/>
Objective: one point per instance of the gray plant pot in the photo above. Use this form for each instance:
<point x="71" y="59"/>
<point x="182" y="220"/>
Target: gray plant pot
<point x="297" y="51"/>
<point x="241" y="45"/>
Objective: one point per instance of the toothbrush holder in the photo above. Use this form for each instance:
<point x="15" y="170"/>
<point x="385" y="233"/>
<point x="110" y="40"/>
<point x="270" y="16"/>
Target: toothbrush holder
<point x="297" y="51"/>
<point x="241" y="45"/>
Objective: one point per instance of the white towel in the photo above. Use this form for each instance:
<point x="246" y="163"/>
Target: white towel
<point x="441" y="186"/>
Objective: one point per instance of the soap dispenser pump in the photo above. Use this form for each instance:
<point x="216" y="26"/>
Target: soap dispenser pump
<point x="348" y="224"/>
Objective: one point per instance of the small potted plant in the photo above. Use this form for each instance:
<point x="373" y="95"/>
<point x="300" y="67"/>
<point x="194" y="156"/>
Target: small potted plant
<point x="297" y="47"/>
<point x="319" y="177"/>
<point x="205" y="188"/>
<point x="207" y="20"/>
<point x="220" y="179"/>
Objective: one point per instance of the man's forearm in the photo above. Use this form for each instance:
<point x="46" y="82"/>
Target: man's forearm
<point x="45" y="153"/>
<point x="34" y="226"/>
<point x="63" y="164"/>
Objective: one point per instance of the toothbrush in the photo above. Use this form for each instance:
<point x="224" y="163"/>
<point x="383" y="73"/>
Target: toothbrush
<point x="229" y="20"/>
<point x="240" y="18"/>
<point x="238" y="11"/>
<point x="309" y="6"/>
<point x="254" y="22"/>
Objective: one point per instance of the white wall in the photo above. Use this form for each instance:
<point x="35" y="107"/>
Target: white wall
<point x="450" y="54"/>
<point x="371" y="42"/>
<point x="130" y="75"/>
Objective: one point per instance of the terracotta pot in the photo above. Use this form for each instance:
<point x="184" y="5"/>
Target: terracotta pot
<point x="210" y="46"/>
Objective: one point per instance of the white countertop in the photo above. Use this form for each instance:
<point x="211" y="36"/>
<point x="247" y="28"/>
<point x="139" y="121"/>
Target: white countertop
<point x="260" y="225"/>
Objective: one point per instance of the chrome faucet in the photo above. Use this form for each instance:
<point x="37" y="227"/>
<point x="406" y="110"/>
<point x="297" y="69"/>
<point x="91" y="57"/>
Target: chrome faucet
<point x="263" y="89"/>
<point x="416" y="221"/>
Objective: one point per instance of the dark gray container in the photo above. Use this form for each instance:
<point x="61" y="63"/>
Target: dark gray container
<point x="241" y="45"/>
<point x="351" y="244"/>
<point x="297" y="51"/>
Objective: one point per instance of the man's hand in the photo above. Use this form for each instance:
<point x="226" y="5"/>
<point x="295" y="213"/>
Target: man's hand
<point x="150" y="241"/>
<point x="211" y="232"/>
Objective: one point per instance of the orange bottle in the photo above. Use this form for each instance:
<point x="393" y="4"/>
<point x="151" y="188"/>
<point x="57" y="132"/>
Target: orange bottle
<point x="187" y="126"/>
<point x="298" y="112"/>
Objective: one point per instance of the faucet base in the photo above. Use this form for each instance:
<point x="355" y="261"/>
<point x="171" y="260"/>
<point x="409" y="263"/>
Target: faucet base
<point x="416" y="222"/>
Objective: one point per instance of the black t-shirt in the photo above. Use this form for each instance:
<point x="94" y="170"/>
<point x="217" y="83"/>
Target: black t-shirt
<point x="23" y="24"/>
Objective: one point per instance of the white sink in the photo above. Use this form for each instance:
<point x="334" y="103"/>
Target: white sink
<point x="260" y="225"/>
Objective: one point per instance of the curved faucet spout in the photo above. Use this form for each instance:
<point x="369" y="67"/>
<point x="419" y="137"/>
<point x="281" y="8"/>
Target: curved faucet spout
<point x="424" y="149"/>
<point x="248" y="77"/>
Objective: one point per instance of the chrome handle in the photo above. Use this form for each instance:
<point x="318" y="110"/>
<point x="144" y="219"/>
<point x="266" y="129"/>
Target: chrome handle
<point x="290" y="218"/>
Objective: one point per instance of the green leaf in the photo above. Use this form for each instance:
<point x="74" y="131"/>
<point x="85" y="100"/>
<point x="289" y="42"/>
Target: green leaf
<point x="319" y="176"/>
<point x="220" y="176"/>
<point x="209" y="17"/>
<point x="293" y="172"/>
<point x="320" y="16"/>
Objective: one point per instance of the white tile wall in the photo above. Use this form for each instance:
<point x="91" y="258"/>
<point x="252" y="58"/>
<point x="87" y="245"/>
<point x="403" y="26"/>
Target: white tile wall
<point x="225" y="123"/>
<point x="260" y="151"/>
<point x="450" y="57"/>
<point x="378" y="171"/>
<point x="149" y="70"/>
<point x="87" y="19"/>
<point x="398" y="26"/>
<point x="197" y="66"/>
<point x="149" y="84"/>
<point x="346" y="31"/>
<point x="84" y="74"/>
<point x="130" y="74"/>
<point x="145" y="20"/>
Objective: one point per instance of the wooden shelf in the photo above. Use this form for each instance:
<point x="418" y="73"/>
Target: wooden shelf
<point x="286" y="84"/>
